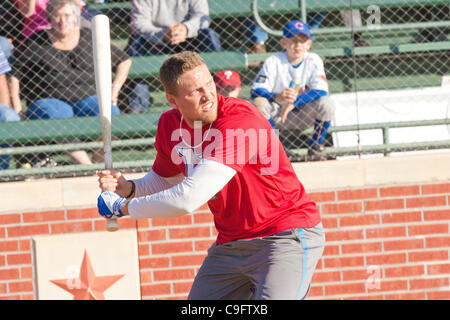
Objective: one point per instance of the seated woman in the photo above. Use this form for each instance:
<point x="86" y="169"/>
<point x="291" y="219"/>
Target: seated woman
<point x="56" y="70"/>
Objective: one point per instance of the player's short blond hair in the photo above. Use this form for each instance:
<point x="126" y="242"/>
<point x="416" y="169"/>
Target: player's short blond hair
<point x="175" y="66"/>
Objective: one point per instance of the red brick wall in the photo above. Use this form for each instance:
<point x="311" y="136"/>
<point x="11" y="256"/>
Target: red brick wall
<point x="387" y="242"/>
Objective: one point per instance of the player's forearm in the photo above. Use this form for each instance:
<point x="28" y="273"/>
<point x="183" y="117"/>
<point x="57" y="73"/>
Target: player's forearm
<point x="207" y="179"/>
<point x="150" y="184"/>
<point x="170" y="203"/>
<point x="153" y="183"/>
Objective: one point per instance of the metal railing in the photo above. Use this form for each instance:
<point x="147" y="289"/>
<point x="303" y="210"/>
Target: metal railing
<point x="72" y="170"/>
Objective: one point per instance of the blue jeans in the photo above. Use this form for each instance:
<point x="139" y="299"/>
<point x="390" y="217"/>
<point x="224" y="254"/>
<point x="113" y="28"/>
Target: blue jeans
<point x="51" y="108"/>
<point x="206" y="41"/>
<point x="7" y="114"/>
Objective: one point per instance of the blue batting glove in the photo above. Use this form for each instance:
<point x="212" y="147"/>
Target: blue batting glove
<point x="109" y="203"/>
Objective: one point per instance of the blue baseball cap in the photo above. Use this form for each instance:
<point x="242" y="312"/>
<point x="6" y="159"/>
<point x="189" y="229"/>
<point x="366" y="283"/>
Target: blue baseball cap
<point x="296" y="27"/>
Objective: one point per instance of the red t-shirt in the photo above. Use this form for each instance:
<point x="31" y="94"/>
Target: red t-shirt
<point x="264" y="196"/>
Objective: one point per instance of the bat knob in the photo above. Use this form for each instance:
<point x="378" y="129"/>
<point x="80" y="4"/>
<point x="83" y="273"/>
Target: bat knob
<point x="112" y="225"/>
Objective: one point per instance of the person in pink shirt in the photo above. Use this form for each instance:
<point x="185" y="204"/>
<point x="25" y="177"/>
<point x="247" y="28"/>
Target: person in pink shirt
<point x="34" y="13"/>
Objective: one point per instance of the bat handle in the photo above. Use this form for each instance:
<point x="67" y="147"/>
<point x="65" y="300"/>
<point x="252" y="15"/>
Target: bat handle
<point x="112" y="225"/>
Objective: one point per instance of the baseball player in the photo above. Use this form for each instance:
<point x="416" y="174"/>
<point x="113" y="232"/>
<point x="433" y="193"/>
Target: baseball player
<point x="291" y="89"/>
<point x="222" y="151"/>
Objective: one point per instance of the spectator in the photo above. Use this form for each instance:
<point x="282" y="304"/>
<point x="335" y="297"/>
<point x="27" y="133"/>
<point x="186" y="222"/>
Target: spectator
<point x="258" y="37"/>
<point x="228" y="83"/>
<point x="165" y="27"/>
<point x="281" y="104"/>
<point x="6" y="112"/>
<point x="350" y="18"/>
<point x="56" y="70"/>
<point x="34" y="13"/>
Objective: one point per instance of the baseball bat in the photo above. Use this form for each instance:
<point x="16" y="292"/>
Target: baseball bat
<point x="103" y="79"/>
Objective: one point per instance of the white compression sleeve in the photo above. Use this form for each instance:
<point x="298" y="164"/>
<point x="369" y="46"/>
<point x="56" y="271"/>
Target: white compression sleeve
<point x="208" y="178"/>
<point x="152" y="183"/>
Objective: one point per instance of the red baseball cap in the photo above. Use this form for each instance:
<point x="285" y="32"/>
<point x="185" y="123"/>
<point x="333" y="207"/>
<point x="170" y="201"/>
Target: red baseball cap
<point x="227" y="78"/>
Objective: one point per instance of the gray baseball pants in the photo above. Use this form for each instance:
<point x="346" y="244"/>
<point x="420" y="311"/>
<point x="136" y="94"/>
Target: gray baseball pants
<point x="276" y="267"/>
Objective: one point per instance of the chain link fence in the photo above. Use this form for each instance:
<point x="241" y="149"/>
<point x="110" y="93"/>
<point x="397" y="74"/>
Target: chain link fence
<point x="386" y="62"/>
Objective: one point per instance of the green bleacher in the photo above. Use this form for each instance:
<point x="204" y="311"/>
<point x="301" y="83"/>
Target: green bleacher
<point x="406" y="64"/>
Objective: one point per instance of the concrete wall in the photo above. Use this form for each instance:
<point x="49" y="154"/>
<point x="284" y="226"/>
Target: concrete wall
<point x="386" y="220"/>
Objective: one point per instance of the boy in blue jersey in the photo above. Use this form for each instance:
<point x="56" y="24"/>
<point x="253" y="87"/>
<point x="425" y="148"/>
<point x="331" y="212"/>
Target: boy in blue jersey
<point x="291" y="89"/>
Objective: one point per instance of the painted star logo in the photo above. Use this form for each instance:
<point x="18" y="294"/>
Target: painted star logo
<point x="88" y="286"/>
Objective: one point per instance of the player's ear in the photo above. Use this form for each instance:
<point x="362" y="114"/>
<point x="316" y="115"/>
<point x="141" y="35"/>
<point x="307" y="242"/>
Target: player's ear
<point x="171" y="100"/>
<point x="309" y="44"/>
<point x="283" y="43"/>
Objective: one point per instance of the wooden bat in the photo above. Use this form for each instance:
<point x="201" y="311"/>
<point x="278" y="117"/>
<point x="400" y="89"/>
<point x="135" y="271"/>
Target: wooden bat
<point x="101" y="44"/>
